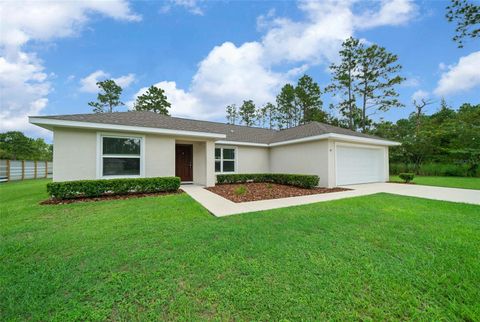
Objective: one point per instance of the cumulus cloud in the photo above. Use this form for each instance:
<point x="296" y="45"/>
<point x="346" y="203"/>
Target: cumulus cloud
<point x="460" y="77"/>
<point x="89" y="83"/>
<point x="255" y="70"/>
<point x="24" y="83"/>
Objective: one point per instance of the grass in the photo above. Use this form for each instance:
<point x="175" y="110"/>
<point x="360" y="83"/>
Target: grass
<point x="379" y="257"/>
<point x="450" y="182"/>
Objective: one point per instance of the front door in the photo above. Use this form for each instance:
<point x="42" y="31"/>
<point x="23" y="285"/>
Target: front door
<point x="184" y="162"/>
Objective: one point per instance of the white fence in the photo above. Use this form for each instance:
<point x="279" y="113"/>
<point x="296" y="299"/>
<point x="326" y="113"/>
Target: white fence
<point x="11" y="170"/>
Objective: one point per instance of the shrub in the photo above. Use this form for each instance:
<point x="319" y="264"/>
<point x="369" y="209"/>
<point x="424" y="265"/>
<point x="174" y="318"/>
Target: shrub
<point x="298" y="180"/>
<point x="97" y="188"/>
<point x="435" y="169"/>
<point x="407" y="177"/>
<point x="240" y="191"/>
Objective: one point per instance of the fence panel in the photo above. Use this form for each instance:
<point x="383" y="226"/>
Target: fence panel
<point x="11" y="170"/>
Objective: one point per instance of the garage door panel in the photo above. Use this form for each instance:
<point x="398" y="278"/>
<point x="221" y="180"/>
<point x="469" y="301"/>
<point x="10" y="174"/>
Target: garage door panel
<point x="359" y="165"/>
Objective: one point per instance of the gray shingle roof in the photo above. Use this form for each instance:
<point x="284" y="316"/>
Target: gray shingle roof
<point x="237" y="133"/>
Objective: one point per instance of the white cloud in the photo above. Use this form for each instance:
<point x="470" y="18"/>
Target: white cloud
<point x="419" y="95"/>
<point x="463" y="76"/>
<point x="392" y="12"/>
<point x="191" y="6"/>
<point x="89" y="83"/>
<point x="231" y="73"/>
<point x="24" y="84"/>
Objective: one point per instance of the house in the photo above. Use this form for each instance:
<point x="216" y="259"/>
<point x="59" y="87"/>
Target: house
<point x="146" y="144"/>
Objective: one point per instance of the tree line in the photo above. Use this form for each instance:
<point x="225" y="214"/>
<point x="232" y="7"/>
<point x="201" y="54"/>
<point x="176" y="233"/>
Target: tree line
<point x="362" y="84"/>
<point x="14" y="145"/>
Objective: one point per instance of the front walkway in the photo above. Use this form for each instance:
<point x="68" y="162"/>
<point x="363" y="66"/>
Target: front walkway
<point x="220" y="206"/>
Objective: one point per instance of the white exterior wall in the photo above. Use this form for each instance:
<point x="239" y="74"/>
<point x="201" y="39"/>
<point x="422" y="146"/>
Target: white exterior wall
<point x="250" y="159"/>
<point x="74" y="154"/>
<point x="302" y="158"/>
<point x="159" y="156"/>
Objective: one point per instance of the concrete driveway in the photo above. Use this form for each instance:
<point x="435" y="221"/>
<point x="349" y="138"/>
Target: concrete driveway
<point x="220" y="206"/>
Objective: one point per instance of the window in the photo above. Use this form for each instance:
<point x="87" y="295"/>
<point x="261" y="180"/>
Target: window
<point x="120" y="156"/>
<point x="225" y="159"/>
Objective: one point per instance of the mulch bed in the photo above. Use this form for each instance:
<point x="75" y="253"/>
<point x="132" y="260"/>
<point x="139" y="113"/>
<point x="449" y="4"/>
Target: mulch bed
<point x="107" y="197"/>
<point x="264" y="191"/>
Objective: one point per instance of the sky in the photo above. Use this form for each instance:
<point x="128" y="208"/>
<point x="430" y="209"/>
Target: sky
<point x="208" y="54"/>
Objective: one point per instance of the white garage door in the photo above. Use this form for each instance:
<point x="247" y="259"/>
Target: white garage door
<point x="359" y="165"/>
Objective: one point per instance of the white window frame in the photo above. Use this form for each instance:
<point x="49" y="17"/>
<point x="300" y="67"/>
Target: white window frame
<point x="100" y="155"/>
<point x="235" y="160"/>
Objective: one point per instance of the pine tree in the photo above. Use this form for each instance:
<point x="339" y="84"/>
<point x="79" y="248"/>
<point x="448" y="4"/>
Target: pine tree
<point x="108" y="98"/>
<point x="154" y="99"/>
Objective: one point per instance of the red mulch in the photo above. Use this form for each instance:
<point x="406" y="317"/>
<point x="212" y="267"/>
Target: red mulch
<point x="264" y="191"/>
<point x="107" y="197"/>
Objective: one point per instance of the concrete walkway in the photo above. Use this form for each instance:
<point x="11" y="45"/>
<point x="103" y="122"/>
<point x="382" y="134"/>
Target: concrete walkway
<point x="220" y="206"/>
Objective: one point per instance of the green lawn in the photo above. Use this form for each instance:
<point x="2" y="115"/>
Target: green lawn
<point x="450" y="182"/>
<point x="380" y="257"/>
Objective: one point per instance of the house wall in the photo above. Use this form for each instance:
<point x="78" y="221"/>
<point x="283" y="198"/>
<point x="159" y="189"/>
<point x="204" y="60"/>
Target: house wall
<point x="159" y="156"/>
<point x="302" y="158"/>
<point x="74" y="154"/>
<point x="250" y="159"/>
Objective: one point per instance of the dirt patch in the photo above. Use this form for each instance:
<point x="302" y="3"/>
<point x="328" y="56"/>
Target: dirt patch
<point x="242" y="192"/>
<point x="107" y="197"/>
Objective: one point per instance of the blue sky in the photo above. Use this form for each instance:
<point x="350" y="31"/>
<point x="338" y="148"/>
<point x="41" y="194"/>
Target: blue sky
<point x="209" y="54"/>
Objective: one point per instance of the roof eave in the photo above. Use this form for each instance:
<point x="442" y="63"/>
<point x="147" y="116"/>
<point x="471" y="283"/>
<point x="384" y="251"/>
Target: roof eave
<point x="343" y="137"/>
<point x="50" y="124"/>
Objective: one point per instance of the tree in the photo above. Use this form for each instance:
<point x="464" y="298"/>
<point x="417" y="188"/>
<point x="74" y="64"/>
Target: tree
<point x="377" y="77"/>
<point x="108" y="98"/>
<point x="308" y="100"/>
<point x="232" y="114"/>
<point x="248" y="113"/>
<point x="14" y="145"/>
<point x="154" y="99"/>
<point x="287" y="116"/>
<point x="270" y="112"/>
<point x="343" y="80"/>
<point x="419" y="106"/>
<point x="467" y="16"/>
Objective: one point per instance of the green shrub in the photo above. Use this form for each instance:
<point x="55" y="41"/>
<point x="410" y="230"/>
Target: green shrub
<point x="97" y="188"/>
<point x="298" y="180"/>
<point x="240" y="191"/>
<point x="435" y="169"/>
<point x="407" y="177"/>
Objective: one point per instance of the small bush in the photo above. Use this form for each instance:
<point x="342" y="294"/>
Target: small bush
<point x="407" y="177"/>
<point x="298" y="180"/>
<point x="240" y="191"/>
<point x="97" y="188"/>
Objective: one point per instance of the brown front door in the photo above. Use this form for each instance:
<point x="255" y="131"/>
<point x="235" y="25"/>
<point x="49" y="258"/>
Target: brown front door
<point x="184" y="162"/>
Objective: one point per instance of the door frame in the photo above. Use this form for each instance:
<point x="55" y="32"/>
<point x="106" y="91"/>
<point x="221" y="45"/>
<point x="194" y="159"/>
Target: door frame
<point x="190" y="146"/>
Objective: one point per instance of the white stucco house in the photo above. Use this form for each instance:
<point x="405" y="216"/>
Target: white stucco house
<point x="146" y="144"/>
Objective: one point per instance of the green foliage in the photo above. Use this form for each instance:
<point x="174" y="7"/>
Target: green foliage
<point x="308" y="101"/>
<point x="365" y="79"/>
<point x="447" y="137"/>
<point x="247" y="112"/>
<point x="407" y="177"/>
<point x="154" y="99"/>
<point x="108" y="98"/>
<point x="288" y="115"/>
<point x="240" y="191"/>
<point x="97" y="188"/>
<point x="297" y="180"/>
<point x="14" y="145"/>
<point x="434" y="169"/>
<point x="232" y="114"/>
<point x="467" y="16"/>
